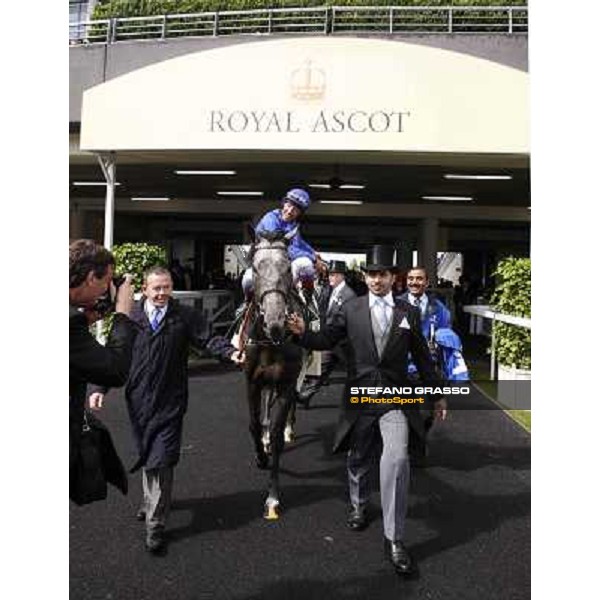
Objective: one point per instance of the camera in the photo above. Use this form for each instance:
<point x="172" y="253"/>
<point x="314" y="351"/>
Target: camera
<point x="106" y="303"/>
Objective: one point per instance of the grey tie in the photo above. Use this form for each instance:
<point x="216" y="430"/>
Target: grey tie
<point x="380" y="325"/>
<point x="381" y="313"/>
<point x="332" y="300"/>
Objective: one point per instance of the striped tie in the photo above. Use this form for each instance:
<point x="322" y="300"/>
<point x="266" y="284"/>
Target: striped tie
<point x="155" y="319"/>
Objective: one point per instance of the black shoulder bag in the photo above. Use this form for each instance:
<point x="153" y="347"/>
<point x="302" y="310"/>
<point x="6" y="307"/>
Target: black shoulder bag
<point x="95" y="464"/>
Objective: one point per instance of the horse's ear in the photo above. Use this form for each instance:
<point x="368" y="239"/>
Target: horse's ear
<point x="250" y="229"/>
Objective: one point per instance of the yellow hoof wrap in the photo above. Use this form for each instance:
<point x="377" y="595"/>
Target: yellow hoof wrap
<point x="271" y="513"/>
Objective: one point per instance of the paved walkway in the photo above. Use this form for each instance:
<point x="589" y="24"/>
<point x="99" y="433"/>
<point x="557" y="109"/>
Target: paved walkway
<point x="469" y="515"/>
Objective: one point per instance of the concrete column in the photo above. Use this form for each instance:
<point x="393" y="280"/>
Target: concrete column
<point x="428" y="247"/>
<point x="247" y="236"/>
<point x="404" y="256"/>
<point x="75" y="223"/>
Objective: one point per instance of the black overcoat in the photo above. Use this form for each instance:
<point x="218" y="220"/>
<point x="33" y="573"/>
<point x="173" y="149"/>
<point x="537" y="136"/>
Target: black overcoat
<point x="90" y="362"/>
<point x="157" y="389"/>
<point x="365" y="368"/>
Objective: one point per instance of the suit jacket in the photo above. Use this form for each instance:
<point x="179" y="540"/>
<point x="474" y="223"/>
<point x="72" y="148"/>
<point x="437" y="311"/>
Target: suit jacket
<point x="436" y="314"/>
<point x="90" y="362"/>
<point x="345" y="294"/>
<point x="366" y="368"/>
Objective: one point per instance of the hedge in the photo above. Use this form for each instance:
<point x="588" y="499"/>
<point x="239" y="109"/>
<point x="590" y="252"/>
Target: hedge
<point x="138" y="8"/>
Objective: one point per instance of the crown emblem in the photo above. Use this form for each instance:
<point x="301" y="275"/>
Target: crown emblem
<point x="308" y="82"/>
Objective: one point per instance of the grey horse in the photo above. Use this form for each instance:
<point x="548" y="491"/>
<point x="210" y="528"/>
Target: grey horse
<point x="273" y="362"/>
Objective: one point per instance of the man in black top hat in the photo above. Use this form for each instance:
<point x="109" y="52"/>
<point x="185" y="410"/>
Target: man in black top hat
<point x="380" y="333"/>
<point x="338" y="293"/>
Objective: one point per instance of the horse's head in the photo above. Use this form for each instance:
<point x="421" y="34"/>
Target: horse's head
<point x="272" y="283"/>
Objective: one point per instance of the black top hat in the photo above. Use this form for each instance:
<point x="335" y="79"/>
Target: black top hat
<point x="381" y="258"/>
<point x="337" y="266"/>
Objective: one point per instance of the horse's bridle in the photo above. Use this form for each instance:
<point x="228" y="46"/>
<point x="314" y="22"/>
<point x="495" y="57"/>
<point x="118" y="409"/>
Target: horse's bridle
<point x="259" y="301"/>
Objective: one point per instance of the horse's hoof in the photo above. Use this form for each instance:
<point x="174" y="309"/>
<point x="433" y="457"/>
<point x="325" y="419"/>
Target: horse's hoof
<point x="262" y="462"/>
<point x="266" y="442"/>
<point x="289" y="435"/>
<point x="272" y="511"/>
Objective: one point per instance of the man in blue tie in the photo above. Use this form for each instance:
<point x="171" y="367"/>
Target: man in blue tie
<point x="434" y="314"/>
<point x="157" y="392"/>
<point x="380" y="333"/>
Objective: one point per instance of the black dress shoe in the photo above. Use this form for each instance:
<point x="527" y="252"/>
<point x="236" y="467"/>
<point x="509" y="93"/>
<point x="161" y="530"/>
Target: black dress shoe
<point x="357" y="518"/>
<point x="399" y="557"/>
<point x="304" y="397"/>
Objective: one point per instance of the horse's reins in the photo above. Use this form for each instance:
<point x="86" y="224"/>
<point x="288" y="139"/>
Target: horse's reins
<point x="244" y="338"/>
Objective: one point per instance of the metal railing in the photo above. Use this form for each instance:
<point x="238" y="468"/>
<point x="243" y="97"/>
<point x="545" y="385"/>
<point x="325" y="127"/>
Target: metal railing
<point x="217" y="307"/>
<point x="403" y="20"/>
<point x="478" y="311"/>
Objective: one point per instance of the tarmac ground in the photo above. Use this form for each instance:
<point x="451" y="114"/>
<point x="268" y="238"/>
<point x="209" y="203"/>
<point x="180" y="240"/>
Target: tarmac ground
<point x="468" y="521"/>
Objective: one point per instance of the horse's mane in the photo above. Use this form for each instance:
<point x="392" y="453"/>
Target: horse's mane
<point x="271" y="236"/>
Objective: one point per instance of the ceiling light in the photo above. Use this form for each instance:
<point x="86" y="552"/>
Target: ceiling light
<point x="480" y="177"/>
<point x="150" y="199"/>
<point x="240" y="193"/>
<point x="449" y="198"/>
<point x="336" y="184"/>
<point x="340" y="201"/>
<point x="92" y="183"/>
<point x="205" y="172"/>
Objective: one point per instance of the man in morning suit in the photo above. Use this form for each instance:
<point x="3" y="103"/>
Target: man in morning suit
<point x="380" y="332"/>
<point x="338" y="293"/>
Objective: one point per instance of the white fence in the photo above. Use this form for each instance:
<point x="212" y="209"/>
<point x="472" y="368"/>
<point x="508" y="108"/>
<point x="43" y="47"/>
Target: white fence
<point x="485" y="312"/>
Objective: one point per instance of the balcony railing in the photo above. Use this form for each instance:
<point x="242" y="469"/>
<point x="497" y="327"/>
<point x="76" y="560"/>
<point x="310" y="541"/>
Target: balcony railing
<point x="393" y="20"/>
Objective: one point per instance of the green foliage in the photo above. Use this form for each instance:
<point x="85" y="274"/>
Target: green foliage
<point x="512" y="296"/>
<point x="137" y="8"/>
<point x="136" y="258"/>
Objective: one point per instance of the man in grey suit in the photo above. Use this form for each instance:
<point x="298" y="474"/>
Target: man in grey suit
<point x="338" y="292"/>
<point x="380" y="333"/>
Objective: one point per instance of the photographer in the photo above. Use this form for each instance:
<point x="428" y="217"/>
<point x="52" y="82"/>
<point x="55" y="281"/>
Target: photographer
<point x="91" y="268"/>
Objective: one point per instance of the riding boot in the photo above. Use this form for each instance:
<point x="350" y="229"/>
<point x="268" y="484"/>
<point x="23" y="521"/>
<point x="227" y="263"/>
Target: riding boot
<point x="239" y="311"/>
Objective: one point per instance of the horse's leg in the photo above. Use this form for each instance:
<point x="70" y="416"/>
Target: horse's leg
<point x="254" y="400"/>
<point x="289" y="434"/>
<point x="297" y="375"/>
<point x="279" y="413"/>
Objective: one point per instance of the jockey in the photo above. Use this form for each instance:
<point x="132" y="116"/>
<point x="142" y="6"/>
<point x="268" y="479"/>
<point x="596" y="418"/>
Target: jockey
<point x="285" y="220"/>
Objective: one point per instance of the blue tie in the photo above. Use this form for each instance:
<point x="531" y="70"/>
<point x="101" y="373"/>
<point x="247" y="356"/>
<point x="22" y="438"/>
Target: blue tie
<point x="155" y="319"/>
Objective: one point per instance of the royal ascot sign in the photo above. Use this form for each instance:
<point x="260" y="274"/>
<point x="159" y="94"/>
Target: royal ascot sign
<point x="339" y="121"/>
<point x="308" y="83"/>
<point x="319" y="93"/>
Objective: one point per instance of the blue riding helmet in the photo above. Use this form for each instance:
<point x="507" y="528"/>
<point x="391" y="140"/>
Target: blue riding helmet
<point x="298" y="197"/>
